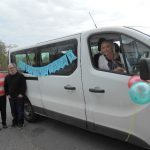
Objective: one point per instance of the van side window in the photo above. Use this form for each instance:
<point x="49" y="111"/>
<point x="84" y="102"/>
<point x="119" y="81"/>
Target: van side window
<point x="53" y="52"/>
<point x="134" y="51"/>
<point x="31" y="57"/>
<point x="20" y="57"/>
<point x="27" y="56"/>
<point x="47" y="54"/>
<point x="45" y="57"/>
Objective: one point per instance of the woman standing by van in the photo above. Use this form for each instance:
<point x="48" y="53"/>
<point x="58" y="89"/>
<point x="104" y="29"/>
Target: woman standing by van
<point x="15" y="88"/>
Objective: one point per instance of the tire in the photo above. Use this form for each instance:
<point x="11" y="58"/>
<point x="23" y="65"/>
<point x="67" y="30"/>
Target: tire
<point x="29" y="114"/>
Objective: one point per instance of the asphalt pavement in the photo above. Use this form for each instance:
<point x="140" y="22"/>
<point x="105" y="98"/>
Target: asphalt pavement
<point x="48" y="134"/>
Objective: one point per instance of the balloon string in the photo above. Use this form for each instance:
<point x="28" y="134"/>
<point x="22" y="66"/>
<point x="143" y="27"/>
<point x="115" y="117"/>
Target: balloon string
<point x="131" y="128"/>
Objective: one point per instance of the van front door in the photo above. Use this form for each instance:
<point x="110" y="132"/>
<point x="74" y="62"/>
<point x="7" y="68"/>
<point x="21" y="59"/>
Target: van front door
<point x="106" y="95"/>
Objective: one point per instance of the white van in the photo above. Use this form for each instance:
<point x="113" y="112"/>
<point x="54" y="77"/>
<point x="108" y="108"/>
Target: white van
<point x="65" y="83"/>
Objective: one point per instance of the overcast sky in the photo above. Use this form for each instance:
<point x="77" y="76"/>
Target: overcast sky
<point x="26" y="22"/>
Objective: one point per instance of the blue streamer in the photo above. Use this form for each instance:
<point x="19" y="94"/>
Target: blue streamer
<point x="22" y="65"/>
<point x="71" y="56"/>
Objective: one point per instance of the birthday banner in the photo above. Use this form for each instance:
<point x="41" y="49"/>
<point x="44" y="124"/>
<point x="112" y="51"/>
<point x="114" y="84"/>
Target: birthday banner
<point x="50" y="68"/>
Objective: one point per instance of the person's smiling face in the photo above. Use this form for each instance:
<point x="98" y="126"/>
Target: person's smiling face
<point x="12" y="69"/>
<point x="107" y="50"/>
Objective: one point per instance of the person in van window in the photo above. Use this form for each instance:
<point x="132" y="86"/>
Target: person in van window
<point x="110" y="60"/>
<point x="100" y="52"/>
<point x="15" y="89"/>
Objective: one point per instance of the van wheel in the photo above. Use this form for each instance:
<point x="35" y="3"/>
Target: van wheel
<point x="29" y="114"/>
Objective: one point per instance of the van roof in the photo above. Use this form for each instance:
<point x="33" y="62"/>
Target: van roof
<point x="115" y="28"/>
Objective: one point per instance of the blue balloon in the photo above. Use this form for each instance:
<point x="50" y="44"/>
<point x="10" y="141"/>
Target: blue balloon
<point x="140" y="93"/>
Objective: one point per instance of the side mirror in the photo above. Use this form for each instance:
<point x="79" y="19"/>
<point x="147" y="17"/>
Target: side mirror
<point x="144" y="66"/>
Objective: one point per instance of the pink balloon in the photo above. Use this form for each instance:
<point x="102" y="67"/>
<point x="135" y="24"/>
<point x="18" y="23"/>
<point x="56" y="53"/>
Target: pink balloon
<point x="133" y="80"/>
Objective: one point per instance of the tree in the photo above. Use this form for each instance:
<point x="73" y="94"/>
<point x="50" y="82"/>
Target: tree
<point x="3" y="56"/>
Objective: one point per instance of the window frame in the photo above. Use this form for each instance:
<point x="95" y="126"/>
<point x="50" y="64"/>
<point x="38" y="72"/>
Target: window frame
<point x="101" y="35"/>
<point x="66" y="44"/>
<point x="121" y="47"/>
<point x="24" y="51"/>
<point x="73" y="42"/>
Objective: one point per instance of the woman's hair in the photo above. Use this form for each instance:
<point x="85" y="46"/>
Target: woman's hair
<point x="100" y="42"/>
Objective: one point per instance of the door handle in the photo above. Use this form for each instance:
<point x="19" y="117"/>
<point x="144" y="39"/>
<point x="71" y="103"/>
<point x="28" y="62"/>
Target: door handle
<point x="69" y="87"/>
<point x="96" y="90"/>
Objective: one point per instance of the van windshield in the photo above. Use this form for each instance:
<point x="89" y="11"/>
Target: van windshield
<point x="144" y="30"/>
